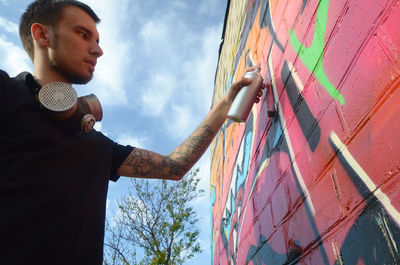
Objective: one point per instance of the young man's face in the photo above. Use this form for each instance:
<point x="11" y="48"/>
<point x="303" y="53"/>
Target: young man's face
<point x="75" y="46"/>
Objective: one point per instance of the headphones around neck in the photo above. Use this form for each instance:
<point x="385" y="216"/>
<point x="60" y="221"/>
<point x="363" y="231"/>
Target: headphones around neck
<point x="60" y="100"/>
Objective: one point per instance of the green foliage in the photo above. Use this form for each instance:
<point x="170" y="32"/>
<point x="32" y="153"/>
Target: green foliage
<point x="156" y="217"/>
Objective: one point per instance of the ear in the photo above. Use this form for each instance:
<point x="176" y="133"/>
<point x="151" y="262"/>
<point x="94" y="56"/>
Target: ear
<point x="40" y="34"/>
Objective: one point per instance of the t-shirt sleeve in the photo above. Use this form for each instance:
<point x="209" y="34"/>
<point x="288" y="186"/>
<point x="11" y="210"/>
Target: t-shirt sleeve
<point x="119" y="154"/>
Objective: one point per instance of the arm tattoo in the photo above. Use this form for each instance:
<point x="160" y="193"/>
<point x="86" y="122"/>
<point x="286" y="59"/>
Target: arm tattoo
<point x="147" y="164"/>
<point x="194" y="146"/>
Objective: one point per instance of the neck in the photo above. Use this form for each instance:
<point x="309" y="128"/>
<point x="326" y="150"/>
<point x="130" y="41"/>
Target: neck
<point x="44" y="73"/>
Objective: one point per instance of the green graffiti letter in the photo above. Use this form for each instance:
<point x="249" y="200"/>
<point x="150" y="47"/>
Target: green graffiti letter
<point x="312" y="56"/>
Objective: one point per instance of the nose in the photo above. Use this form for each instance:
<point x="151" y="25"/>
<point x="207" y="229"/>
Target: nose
<point x="96" y="50"/>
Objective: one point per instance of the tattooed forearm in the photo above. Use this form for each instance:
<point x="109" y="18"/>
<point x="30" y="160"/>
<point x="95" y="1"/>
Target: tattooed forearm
<point x="193" y="147"/>
<point x="146" y="164"/>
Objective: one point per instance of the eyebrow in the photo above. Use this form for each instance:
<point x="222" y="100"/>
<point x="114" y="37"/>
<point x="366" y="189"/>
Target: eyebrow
<point x="89" y="32"/>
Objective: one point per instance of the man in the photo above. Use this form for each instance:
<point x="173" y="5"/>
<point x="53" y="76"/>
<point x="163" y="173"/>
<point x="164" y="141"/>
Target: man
<point x="54" y="179"/>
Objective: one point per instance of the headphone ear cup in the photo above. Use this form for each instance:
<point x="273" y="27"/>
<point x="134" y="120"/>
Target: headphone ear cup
<point x="87" y="123"/>
<point x="59" y="99"/>
<point x="92" y="105"/>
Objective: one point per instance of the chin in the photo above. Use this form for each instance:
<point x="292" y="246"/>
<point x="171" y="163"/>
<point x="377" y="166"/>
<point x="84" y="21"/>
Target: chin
<point x="79" y="79"/>
<point x="74" y="77"/>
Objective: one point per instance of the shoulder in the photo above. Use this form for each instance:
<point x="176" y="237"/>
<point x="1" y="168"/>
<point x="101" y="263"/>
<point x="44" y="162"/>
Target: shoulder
<point x="9" y="84"/>
<point x="5" y="81"/>
<point x="3" y="73"/>
<point x="97" y="141"/>
<point x="4" y="77"/>
<point x="18" y="86"/>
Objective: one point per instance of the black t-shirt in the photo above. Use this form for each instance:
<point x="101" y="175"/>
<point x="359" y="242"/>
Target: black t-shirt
<point x="53" y="183"/>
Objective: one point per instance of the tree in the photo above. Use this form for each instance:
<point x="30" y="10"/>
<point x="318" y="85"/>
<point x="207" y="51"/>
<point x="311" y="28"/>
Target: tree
<point x="157" y="218"/>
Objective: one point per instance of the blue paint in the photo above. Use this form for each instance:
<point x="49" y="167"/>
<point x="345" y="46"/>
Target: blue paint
<point x="242" y="175"/>
<point x="240" y="179"/>
<point x="278" y="134"/>
<point x="230" y="81"/>
<point x="213" y="197"/>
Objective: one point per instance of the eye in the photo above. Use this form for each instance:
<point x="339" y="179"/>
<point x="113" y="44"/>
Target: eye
<point x="83" y="34"/>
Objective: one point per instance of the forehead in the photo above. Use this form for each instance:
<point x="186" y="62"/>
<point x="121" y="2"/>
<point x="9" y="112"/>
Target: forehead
<point x="73" y="16"/>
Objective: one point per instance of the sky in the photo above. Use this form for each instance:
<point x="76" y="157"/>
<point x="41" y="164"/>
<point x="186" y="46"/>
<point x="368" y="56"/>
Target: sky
<point x="155" y="80"/>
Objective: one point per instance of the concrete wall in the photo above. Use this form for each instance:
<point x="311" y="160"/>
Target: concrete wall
<point x="318" y="183"/>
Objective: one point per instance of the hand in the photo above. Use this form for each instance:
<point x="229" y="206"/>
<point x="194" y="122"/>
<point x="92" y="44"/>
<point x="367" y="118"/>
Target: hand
<point x="236" y="86"/>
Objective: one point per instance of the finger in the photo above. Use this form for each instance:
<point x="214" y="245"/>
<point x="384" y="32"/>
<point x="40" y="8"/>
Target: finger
<point x="245" y="81"/>
<point x="236" y="86"/>
<point x="257" y="100"/>
<point x="253" y="68"/>
<point x="259" y="93"/>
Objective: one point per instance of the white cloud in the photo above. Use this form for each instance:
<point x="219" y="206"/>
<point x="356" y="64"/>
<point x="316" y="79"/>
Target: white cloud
<point x="205" y="241"/>
<point x="192" y="96"/>
<point x="114" y="214"/>
<point x="98" y="126"/>
<point x="204" y="164"/>
<point x="157" y="94"/>
<point x="159" y="39"/>
<point x="8" y="26"/>
<point x="202" y="205"/>
<point x="14" y="60"/>
<point x="180" y="4"/>
<point x="209" y="7"/>
<point x="179" y="121"/>
<point x="154" y="31"/>
<point x="200" y="71"/>
<point x="126" y="139"/>
<point x="188" y="60"/>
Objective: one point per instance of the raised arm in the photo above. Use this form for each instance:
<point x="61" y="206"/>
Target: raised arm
<point x="147" y="164"/>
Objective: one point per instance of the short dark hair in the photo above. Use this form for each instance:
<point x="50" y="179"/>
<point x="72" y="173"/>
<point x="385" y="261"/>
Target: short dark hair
<point x="46" y="12"/>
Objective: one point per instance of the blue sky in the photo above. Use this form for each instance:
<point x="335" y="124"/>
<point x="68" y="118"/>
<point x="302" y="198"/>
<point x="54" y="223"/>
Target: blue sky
<point x="155" y="80"/>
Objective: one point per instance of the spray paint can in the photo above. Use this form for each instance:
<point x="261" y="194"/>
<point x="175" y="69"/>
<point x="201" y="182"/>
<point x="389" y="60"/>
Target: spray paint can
<point x="244" y="100"/>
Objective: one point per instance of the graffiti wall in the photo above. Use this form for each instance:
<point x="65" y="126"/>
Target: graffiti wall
<point x="312" y="177"/>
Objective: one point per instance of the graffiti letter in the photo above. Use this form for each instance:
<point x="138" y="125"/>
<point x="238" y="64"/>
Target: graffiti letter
<point x="312" y="56"/>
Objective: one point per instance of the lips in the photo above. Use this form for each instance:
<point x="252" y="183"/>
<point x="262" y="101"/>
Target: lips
<point x="91" y="63"/>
